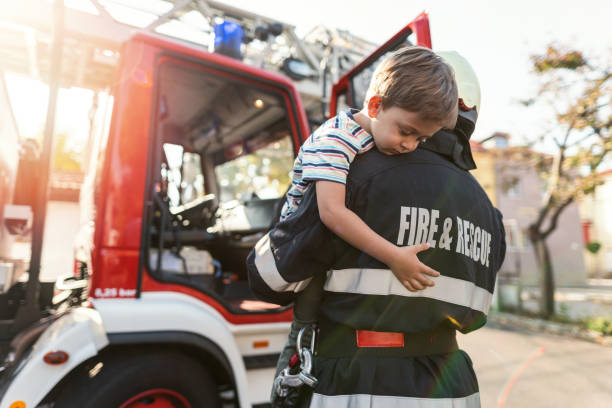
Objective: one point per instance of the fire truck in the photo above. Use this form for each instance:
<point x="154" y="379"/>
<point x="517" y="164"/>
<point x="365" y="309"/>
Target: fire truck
<point x="190" y="170"/>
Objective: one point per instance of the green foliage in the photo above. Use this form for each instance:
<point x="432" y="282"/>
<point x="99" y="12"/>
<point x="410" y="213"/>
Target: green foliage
<point x="593" y="247"/>
<point x="601" y="325"/>
<point x="580" y="92"/>
<point x="562" y="316"/>
<point x="557" y="59"/>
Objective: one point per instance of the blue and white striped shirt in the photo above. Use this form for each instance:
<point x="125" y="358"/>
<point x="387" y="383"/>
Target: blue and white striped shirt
<point x="326" y="155"/>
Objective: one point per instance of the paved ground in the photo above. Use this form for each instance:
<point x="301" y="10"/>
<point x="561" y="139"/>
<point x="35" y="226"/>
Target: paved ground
<point x="519" y="369"/>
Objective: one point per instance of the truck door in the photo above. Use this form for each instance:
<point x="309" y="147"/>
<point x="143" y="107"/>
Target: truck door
<point x="350" y="90"/>
<point x="223" y="143"/>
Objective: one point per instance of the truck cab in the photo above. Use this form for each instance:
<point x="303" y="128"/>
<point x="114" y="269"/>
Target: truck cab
<point x="190" y="169"/>
<point x="206" y="146"/>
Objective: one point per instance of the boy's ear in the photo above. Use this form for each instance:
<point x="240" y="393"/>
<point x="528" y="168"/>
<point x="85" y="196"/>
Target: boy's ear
<point x="374" y="105"/>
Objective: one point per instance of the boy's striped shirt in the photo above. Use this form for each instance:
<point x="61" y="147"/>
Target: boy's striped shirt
<point x="326" y="155"/>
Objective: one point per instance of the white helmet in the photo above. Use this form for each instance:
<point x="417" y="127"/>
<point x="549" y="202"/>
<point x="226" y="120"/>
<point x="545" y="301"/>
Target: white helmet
<point x="467" y="85"/>
<point x="467" y="82"/>
<point x="455" y="144"/>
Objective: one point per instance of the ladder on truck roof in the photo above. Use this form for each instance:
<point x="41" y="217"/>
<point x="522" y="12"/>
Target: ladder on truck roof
<point x="94" y="32"/>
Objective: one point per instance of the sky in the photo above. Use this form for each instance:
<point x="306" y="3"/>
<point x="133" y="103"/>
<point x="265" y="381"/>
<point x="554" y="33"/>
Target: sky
<point x="497" y="37"/>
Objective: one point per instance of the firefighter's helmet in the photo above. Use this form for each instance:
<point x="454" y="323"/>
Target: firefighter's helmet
<point x="455" y="144"/>
<point x="468" y="87"/>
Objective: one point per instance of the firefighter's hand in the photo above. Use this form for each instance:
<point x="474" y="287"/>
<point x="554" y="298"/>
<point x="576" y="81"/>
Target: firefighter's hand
<point x="409" y="270"/>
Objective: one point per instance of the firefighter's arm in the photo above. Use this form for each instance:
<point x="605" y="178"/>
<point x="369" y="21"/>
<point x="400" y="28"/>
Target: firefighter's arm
<point x="347" y="225"/>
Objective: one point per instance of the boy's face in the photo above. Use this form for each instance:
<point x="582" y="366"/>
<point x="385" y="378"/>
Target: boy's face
<point x="397" y="131"/>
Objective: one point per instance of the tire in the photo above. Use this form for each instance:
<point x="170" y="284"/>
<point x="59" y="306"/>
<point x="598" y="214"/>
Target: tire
<point x="164" y="378"/>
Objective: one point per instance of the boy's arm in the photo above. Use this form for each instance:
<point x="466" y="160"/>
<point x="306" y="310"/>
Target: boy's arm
<point x="348" y="226"/>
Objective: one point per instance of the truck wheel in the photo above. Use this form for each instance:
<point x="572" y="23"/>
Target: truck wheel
<point x="152" y="380"/>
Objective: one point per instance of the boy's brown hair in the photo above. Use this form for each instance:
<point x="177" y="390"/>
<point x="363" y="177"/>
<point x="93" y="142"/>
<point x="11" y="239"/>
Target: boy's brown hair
<point x="417" y="80"/>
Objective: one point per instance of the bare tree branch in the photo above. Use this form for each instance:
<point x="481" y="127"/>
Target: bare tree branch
<point x="537" y="224"/>
<point x="599" y="160"/>
<point x="568" y="133"/>
<point x="582" y="139"/>
<point x="555" y="217"/>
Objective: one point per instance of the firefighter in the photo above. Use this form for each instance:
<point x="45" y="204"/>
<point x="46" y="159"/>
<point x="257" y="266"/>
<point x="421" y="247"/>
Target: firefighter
<point x="379" y="344"/>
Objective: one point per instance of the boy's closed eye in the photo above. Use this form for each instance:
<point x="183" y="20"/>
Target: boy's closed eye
<point x="408" y="133"/>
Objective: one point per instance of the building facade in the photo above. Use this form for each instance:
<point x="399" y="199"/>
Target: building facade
<point x="597" y="228"/>
<point x="515" y="187"/>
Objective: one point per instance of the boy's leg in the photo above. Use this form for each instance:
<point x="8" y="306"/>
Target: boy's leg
<point x="307" y="303"/>
<point x="305" y="310"/>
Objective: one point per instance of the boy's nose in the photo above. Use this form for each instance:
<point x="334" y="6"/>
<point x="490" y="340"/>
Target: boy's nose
<point x="409" y="146"/>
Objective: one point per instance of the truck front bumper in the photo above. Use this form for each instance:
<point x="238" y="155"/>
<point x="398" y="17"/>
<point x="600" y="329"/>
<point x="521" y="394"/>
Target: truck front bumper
<point x="79" y="333"/>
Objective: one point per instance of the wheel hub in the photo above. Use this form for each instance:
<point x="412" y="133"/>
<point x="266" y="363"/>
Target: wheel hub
<point x="157" y="398"/>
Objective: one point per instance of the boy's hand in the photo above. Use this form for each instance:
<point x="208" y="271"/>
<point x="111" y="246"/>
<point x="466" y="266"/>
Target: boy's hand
<point x="347" y="225"/>
<point x="409" y="270"/>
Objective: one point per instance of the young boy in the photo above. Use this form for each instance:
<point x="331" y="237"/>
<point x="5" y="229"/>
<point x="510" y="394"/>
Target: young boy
<point x="411" y="96"/>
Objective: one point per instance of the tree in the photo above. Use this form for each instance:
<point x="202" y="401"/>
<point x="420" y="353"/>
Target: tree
<point x="579" y="91"/>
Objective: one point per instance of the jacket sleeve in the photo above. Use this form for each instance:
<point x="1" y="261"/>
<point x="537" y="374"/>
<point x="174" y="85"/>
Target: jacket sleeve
<point x="285" y="259"/>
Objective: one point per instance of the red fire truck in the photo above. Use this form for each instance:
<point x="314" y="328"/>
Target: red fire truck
<point x="189" y="173"/>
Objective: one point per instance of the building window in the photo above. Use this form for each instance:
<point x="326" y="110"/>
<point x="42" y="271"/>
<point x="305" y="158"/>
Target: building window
<point x="514" y="237"/>
<point x="512" y="186"/>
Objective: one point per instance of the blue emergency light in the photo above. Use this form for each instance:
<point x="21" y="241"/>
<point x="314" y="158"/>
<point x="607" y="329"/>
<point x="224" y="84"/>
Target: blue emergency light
<point x="228" y="38"/>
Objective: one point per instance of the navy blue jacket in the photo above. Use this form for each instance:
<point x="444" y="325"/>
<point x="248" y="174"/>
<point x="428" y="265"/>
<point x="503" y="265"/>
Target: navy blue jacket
<point x="408" y="199"/>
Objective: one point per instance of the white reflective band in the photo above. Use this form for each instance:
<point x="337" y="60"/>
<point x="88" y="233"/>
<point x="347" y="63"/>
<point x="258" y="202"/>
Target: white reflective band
<point x="383" y="282"/>
<point x="384" y="401"/>
<point x="266" y="265"/>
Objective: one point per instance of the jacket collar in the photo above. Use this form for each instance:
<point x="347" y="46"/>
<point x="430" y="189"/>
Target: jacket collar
<point x="454" y="144"/>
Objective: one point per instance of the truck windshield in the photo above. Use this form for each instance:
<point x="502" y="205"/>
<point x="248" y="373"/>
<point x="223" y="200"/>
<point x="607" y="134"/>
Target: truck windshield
<point x="183" y="172"/>
<point x="264" y="173"/>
